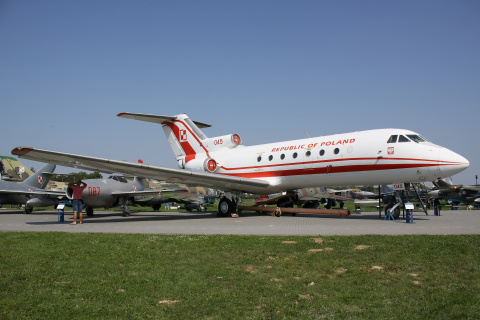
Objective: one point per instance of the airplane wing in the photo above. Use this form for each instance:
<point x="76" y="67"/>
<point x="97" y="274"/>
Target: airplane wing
<point x="50" y="193"/>
<point x="216" y="181"/>
<point x="473" y="188"/>
<point x="142" y="193"/>
<point x="326" y="196"/>
<point x="272" y="200"/>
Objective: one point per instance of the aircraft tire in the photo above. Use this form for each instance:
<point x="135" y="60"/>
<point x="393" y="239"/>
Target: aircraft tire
<point x="28" y="210"/>
<point x="395" y="213"/>
<point x="226" y="207"/>
<point x="311" y="204"/>
<point x="89" y="211"/>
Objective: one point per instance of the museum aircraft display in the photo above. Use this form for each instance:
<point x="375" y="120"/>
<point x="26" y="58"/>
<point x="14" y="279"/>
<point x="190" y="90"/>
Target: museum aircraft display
<point x="14" y="170"/>
<point x="372" y="157"/>
<point x="456" y="194"/>
<point x="111" y="192"/>
<point x="30" y="192"/>
<point x="192" y="198"/>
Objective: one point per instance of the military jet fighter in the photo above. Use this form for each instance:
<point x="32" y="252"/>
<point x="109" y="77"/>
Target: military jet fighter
<point x="14" y="170"/>
<point x="456" y="193"/>
<point x="114" y="191"/>
<point x="193" y="198"/>
<point x="30" y="192"/>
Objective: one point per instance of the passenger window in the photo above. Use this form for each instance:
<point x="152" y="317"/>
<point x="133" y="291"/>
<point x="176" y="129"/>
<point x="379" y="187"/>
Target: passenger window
<point x="259" y="158"/>
<point x="322" y="152"/>
<point x="270" y="158"/>
<point x="282" y="156"/>
<point x="308" y="153"/>
<point x="392" y="139"/>
<point x="403" y="139"/>
<point x="295" y="155"/>
<point x="336" y="151"/>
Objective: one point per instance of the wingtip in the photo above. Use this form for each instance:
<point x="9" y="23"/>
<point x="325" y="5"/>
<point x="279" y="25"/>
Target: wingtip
<point x="20" y="151"/>
<point x="121" y="114"/>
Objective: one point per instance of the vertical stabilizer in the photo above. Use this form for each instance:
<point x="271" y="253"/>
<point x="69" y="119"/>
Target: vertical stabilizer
<point x="40" y="178"/>
<point x="14" y="169"/>
<point x="185" y="138"/>
<point x="184" y="135"/>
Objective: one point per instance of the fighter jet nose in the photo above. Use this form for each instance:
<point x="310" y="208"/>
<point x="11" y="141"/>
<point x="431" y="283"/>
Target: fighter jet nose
<point x="451" y="163"/>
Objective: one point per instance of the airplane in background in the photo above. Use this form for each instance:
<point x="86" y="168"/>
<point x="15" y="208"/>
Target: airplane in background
<point x="455" y="193"/>
<point x="193" y="198"/>
<point x="309" y="198"/>
<point x="14" y="170"/>
<point x="354" y="193"/>
<point x="30" y="192"/>
<point x="111" y="192"/>
<point x="371" y="157"/>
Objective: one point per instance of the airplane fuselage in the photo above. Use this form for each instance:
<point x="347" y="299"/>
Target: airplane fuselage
<point x="362" y="157"/>
<point x="105" y="192"/>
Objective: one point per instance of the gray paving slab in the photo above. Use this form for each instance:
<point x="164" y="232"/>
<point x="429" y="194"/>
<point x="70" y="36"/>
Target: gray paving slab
<point x="450" y="222"/>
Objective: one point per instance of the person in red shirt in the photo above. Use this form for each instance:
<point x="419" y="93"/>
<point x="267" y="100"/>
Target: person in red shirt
<point x="77" y="203"/>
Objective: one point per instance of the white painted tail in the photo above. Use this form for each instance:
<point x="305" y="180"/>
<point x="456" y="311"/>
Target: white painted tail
<point x="187" y="141"/>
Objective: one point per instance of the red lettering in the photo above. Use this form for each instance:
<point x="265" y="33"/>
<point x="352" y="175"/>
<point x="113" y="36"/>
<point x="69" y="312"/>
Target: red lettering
<point x="93" y="191"/>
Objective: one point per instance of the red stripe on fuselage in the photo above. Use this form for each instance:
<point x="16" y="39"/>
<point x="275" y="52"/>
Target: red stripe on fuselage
<point x="310" y="163"/>
<point x="328" y="169"/>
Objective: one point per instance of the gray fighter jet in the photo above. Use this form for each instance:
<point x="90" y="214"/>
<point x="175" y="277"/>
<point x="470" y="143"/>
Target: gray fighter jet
<point x="30" y="192"/>
<point x="111" y="192"/>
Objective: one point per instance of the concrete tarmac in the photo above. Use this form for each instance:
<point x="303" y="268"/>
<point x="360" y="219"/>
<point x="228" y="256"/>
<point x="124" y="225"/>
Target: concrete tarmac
<point x="249" y="223"/>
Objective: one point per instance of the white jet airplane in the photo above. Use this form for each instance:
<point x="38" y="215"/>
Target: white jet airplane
<point x="369" y="157"/>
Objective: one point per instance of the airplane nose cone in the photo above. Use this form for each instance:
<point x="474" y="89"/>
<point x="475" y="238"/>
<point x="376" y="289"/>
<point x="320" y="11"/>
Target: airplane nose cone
<point x="451" y="163"/>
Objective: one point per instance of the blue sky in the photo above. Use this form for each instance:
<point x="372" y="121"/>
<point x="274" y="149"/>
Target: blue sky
<point x="267" y="70"/>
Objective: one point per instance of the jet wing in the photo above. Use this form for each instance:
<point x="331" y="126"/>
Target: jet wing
<point x="54" y="193"/>
<point x="215" y="181"/>
<point x="152" y="192"/>
<point x="473" y="188"/>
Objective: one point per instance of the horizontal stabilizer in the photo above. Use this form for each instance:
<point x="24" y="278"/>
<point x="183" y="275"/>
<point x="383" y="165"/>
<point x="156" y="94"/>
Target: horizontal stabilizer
<point x="156" y="118"/>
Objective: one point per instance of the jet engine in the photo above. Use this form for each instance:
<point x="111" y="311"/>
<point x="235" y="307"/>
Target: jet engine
<point x="228" y="141"/>
<point x="203" y="165"/>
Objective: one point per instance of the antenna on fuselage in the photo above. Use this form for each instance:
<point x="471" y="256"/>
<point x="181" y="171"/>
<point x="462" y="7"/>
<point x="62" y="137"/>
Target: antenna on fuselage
<point x="306" y="133"/>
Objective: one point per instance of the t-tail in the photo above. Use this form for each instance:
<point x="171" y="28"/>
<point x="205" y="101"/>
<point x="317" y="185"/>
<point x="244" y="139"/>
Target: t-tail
<point x="40" y="178"/>
<point x="192" y="148"/>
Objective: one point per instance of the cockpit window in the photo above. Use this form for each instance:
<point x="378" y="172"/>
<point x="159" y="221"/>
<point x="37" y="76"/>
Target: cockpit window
<point x="118" y="178"/>
<point x="416" y="138"/>
<point x="392" y="139"/>
<point x="403" y="139"/>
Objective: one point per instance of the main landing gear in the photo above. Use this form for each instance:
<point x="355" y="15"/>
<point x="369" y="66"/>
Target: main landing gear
<point x="227" y="205"/>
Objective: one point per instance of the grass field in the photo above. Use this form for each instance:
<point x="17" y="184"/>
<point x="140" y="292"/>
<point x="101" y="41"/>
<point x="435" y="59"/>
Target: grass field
<point x="105" y="276"/>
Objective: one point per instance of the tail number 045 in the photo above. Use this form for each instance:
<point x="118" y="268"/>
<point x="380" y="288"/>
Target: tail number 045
<point x="93" y="191"/>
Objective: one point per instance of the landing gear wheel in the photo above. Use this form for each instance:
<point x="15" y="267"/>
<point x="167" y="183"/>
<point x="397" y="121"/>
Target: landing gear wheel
<point x="311" y="204"/>
<point x="395" y="213"/>
<point x="226" y="207"/>
<point x="28" y="210"/>
<point x="89" y="211"/>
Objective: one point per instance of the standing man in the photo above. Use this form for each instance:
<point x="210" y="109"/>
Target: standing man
<point x="77" y="203"/>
